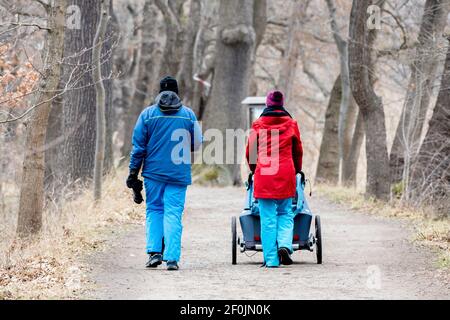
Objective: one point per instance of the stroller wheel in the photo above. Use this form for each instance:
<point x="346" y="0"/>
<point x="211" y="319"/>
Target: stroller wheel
<point x="318" y="240"/>
<point x="233" y="241"/>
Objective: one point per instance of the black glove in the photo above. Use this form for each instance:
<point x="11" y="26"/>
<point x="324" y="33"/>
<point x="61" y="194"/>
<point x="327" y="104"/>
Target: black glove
<point x="249" y="180"/>
<point x="137" y="196"/>
<point x="134" y="183"/>
<point x="302" y="178"/>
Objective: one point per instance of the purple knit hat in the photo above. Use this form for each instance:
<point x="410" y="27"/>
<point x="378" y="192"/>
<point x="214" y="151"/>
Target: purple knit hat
<point x="275" y="99"/>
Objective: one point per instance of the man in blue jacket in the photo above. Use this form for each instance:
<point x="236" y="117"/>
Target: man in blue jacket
<point x="164" y="136"/>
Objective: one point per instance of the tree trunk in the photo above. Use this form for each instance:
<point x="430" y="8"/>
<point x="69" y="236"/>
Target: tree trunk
<point x="54" y="142"/>
<point x="128" y="71"/>
<point x="423" y="73"/>
<point x="292" y="51"/>
<point x="185" y="74"/>
<point x="430" y="180"/>
<point x="100" y="141"/>
<point x="204" y="55"/>
<point x="328" y="165"/>
<point x="31" y="201"/>
<point x="344" y="125"/>
<point x="79" y="122"/>
<point x="351" y="117"/>
<point x="147" y="72"/>
<point x="350" y="165"/>
<point x="260" y="25"/>
<point x="110" y="108"/>
<point x="235" y="45"/>
<point x="370" y="105"/>
<point x="170" y="61"/>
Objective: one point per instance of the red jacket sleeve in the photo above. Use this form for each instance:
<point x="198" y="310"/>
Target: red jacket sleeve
<point x="251" y="152"/>
<point x="297" y="149"/>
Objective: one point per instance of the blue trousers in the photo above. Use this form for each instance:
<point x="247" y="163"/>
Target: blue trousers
<point x="277" y="228"/>
<point x="165" y="205"/>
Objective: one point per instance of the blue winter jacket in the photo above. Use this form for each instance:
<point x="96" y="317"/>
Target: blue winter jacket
<point x="164" y="136"/>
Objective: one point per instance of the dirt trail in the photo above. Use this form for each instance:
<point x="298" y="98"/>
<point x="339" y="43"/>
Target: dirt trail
<point x="365" y="257"/>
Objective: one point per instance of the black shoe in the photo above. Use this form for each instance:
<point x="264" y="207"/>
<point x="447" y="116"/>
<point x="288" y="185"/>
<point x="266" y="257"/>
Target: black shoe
<point x="172" y="265"/>
<point x="285" y="256"/>
<point x="264" y="265"/>
<point x="154" y="260"/>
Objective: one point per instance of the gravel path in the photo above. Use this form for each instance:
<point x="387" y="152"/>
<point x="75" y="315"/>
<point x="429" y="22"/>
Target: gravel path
<point x="365" y="257"/>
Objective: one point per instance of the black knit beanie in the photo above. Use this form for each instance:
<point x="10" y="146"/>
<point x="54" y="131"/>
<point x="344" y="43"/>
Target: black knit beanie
<point x="168" y="84"/>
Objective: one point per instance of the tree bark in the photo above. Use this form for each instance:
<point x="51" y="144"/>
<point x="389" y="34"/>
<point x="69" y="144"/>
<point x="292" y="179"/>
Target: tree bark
<point x="79" y="112"/>
<point x="350" y="165"/>
<point x="351" y="117"/>
<point x="328" y="165"/>
<point x="54" y="141"/>
<point x="107" y="55"/>
<point x="100" y="142"/>
<point x="260" y="25"/>
<point x="430" y="181"/>
<point x="370" y="105"/>
<point x="147" y="72"/>
<point x="342" y="47"/>
<point x="292" y="51"/>
<point x="170" y="60"/>
<point x="128" y="70"/>
<point x="31" y="203"/>
<point x="235" y="45"/>
<point x="186" y="73"/>
<point x="417" y="100"/>
<point x="204" y="55"/>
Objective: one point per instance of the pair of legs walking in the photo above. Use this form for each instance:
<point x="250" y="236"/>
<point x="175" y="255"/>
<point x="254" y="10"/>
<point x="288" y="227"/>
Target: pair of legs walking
<point x="165" y="205"/>
<point x="277" y="229"/>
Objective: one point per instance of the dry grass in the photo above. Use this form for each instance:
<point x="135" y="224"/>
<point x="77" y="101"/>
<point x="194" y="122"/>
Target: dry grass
<point x="429" y="231"/>
<point x="51" y="266"/>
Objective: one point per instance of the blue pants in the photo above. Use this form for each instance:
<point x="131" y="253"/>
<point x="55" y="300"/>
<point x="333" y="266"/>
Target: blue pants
<point x="165" y="205"/>
<point x="277" y="228"/>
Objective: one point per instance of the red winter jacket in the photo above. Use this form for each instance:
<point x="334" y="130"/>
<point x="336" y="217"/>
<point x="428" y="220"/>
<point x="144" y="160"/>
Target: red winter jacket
<point x="274" y="154"/>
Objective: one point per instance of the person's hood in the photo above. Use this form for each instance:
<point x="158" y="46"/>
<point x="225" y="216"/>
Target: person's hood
<point x="168" y="102"/>
<point x="275" y="119"/>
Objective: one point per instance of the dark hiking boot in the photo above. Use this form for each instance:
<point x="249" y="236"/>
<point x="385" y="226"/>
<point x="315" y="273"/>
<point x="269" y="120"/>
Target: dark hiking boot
<point x="285" y="256"/>
<point x="154" y="260"/>
<point x="172" y="265"/>
<point x="264" y="265"/>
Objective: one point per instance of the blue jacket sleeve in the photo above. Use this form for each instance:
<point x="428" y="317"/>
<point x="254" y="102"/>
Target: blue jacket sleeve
<point x="140" y="141"/>
<point x="196" y="134"/>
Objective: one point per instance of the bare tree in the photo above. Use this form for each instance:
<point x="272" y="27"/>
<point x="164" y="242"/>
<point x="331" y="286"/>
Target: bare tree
<point x="260" y="25"/>
<point x="328" y="164"/>
<point x="370" y="105"/>
<point x="186" y="73"/>
<point x="148" y="70"/>
<point x="342" y="47"/>
<point x="100" y="98"/>
<point x="79" y="113"/>
<point x="235" y="43"/>
<point x="430" y="181"/>
<point x="292" y="50"/>
<point x="170" y="61"/>
<point x="350" y="165"/>
<point x="423" y="73"/>
<point x="32" y="187"/>
<point x="127" y="66"/>
<point x="204" y="55"/>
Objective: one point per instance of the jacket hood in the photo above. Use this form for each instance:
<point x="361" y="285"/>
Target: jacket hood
<point x="168" y="102"/>
<point x="281" y="123"/>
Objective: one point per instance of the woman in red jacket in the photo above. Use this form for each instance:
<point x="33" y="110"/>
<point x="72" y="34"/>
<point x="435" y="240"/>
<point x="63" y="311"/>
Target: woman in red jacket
<point x="274" y="154"/>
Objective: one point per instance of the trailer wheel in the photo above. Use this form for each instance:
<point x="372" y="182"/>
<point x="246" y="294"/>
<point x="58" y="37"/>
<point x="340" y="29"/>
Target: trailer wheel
<point x="318" y="240"/>
<point x="233" y="241"/>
